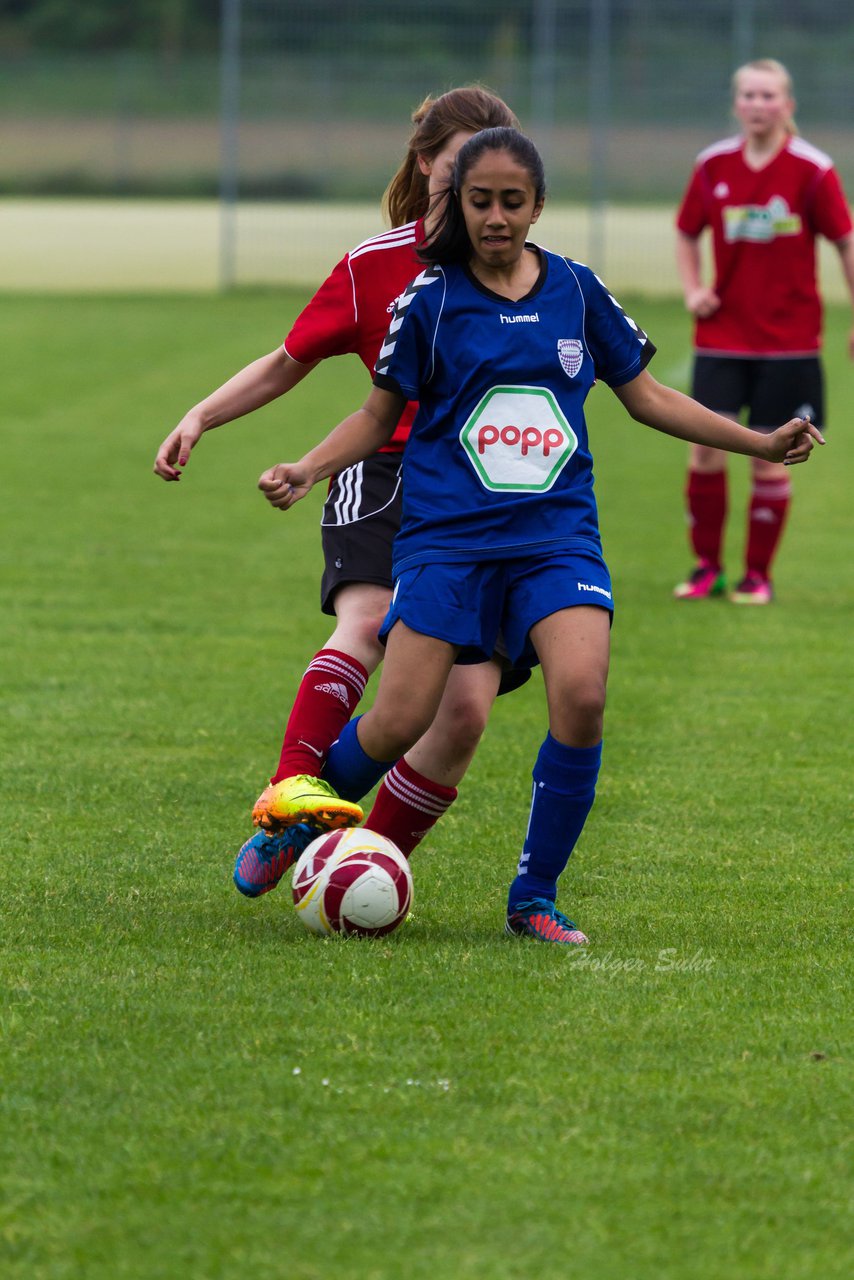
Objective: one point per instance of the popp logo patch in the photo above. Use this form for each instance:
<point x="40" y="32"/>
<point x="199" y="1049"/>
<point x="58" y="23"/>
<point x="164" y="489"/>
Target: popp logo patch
<point x="517" y="438"/>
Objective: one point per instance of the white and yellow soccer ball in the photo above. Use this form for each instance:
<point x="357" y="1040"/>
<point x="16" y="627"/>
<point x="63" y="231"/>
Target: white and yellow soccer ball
<point x="352" y="881"/>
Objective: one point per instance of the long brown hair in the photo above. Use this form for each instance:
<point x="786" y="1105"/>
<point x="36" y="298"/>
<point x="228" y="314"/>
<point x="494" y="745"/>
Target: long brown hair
<point x="471" y="108"/>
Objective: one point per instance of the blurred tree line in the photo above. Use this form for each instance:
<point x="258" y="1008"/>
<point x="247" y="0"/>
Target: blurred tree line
<point x="176" y="27"/>
<point x="172" y="27"/>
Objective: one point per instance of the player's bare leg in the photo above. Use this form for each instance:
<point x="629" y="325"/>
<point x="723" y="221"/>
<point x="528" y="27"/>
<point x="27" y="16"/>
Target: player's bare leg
<point x="574" y="647"/>
<point x="409" y="693"/>
<point x="420" y="788"/>
<point x="360" y="608"/>
<point x="446" y="750"/>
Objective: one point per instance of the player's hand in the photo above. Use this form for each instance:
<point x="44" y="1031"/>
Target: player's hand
<point x="175" y="450"/>
<point x="793" y="442"/>
<point x="285" y="484"/>
<point x="702" y="302"/>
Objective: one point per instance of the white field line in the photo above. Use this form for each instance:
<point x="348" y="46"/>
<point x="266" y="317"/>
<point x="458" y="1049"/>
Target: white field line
<point x="150" y="245"/>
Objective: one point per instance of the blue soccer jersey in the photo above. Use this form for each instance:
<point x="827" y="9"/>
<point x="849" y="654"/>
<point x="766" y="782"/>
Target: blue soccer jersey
<point x="499" y="464"/>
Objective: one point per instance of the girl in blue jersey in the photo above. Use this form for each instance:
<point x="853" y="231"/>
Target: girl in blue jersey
<point x="500" y="341"/>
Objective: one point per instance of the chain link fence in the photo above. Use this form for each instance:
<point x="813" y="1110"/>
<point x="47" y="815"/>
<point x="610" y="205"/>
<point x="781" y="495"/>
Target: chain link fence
<point x="298" y="121"/>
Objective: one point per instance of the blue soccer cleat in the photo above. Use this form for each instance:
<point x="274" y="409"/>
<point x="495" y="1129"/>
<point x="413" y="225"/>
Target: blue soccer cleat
<point x="264" y="859"/>
<point x="538" y="918"/>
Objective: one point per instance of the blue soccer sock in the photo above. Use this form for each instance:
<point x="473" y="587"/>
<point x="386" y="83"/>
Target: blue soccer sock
<point x="349" y="769"/>
<point x="564" y="790"/>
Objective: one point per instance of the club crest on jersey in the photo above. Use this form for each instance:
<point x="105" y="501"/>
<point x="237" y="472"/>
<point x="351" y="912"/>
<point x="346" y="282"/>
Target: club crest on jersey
<point x="571" y="354"/>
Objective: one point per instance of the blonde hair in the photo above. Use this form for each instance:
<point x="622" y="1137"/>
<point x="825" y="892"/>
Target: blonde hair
<point x="775" y="68"/>
<point x="435" y="121"/>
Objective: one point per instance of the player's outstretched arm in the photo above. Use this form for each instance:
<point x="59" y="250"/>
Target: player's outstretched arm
<point x="257" y="384"/>
<point x="358" y="437"/>
<point x="675" y="414"/>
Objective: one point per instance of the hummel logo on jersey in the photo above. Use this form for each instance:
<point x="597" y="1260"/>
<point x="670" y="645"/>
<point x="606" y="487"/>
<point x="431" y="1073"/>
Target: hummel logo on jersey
<point x="589" y="586"/>
<point x="571" y="353"/>
<point x="532" y="319"/>
<point x="337" y="690"/>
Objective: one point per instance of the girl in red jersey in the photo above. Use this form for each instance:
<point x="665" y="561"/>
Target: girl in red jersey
<point x="350" y="313"/>
<point x="765" y="195"/>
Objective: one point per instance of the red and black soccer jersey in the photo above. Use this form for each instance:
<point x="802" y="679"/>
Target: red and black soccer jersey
<point x="764" y="225"/>
<point x="351" y="311"/>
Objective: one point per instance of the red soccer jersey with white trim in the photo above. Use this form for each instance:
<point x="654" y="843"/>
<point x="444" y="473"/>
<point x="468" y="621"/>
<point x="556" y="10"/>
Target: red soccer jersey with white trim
<point x="764" y="225"/>
<point x="351" y="311"/>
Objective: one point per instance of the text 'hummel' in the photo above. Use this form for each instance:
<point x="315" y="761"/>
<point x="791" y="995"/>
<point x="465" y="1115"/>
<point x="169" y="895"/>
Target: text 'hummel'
<point x="532" y="319"/>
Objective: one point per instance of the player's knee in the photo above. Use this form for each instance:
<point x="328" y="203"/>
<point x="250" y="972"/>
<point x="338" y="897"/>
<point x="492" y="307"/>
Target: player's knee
<point x="367" y="630"/>
<point x="394" y="730"/>
<point x="580" y="713"/>
<point x="462" y="723"/>
<point x="705" y="458"/>
<point x="358" y="635"/>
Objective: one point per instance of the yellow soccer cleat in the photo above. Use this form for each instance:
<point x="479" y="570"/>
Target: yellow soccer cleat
<point x="304" y="799"/>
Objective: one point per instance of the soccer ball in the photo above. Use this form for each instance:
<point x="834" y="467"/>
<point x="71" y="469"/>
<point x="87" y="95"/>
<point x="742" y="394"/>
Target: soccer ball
<point x="352" y="881"/>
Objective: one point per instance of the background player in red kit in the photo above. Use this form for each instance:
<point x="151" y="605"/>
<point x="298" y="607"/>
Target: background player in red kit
<point x="765" y="195"/>
<point x="350" y="313"/>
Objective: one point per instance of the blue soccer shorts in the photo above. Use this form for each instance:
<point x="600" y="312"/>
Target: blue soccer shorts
<point x="469" y="604"/>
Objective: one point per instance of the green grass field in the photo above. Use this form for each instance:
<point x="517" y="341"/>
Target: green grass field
<point x="190" y="1086"/>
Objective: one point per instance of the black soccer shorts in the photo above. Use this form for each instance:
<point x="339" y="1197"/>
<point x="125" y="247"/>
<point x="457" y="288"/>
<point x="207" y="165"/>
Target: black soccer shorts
<point x="772" y="390"/>
<point x="360" y="518"/>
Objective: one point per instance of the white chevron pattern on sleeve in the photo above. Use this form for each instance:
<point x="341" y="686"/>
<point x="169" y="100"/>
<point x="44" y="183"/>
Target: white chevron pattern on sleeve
<point x="427" y="276"/>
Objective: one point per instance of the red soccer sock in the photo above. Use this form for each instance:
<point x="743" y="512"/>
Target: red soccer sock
<point x="329" y="693"/>
<point x="706" y="501"/>
<point x="407" y="806"/>
<point x="766" y="517"/>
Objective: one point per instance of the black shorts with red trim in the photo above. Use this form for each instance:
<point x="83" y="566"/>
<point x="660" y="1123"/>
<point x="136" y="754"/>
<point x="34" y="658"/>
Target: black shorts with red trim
<point x="361" y="516"/>
<point x="771" y="389"/>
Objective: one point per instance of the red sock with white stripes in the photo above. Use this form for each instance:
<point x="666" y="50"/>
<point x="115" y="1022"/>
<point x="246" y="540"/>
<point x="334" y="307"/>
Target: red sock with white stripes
<point x="407" y="806"/>
<point x="766" y="517"/>
<point x="706" y="500"/>
<point x="329" y="693"/>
